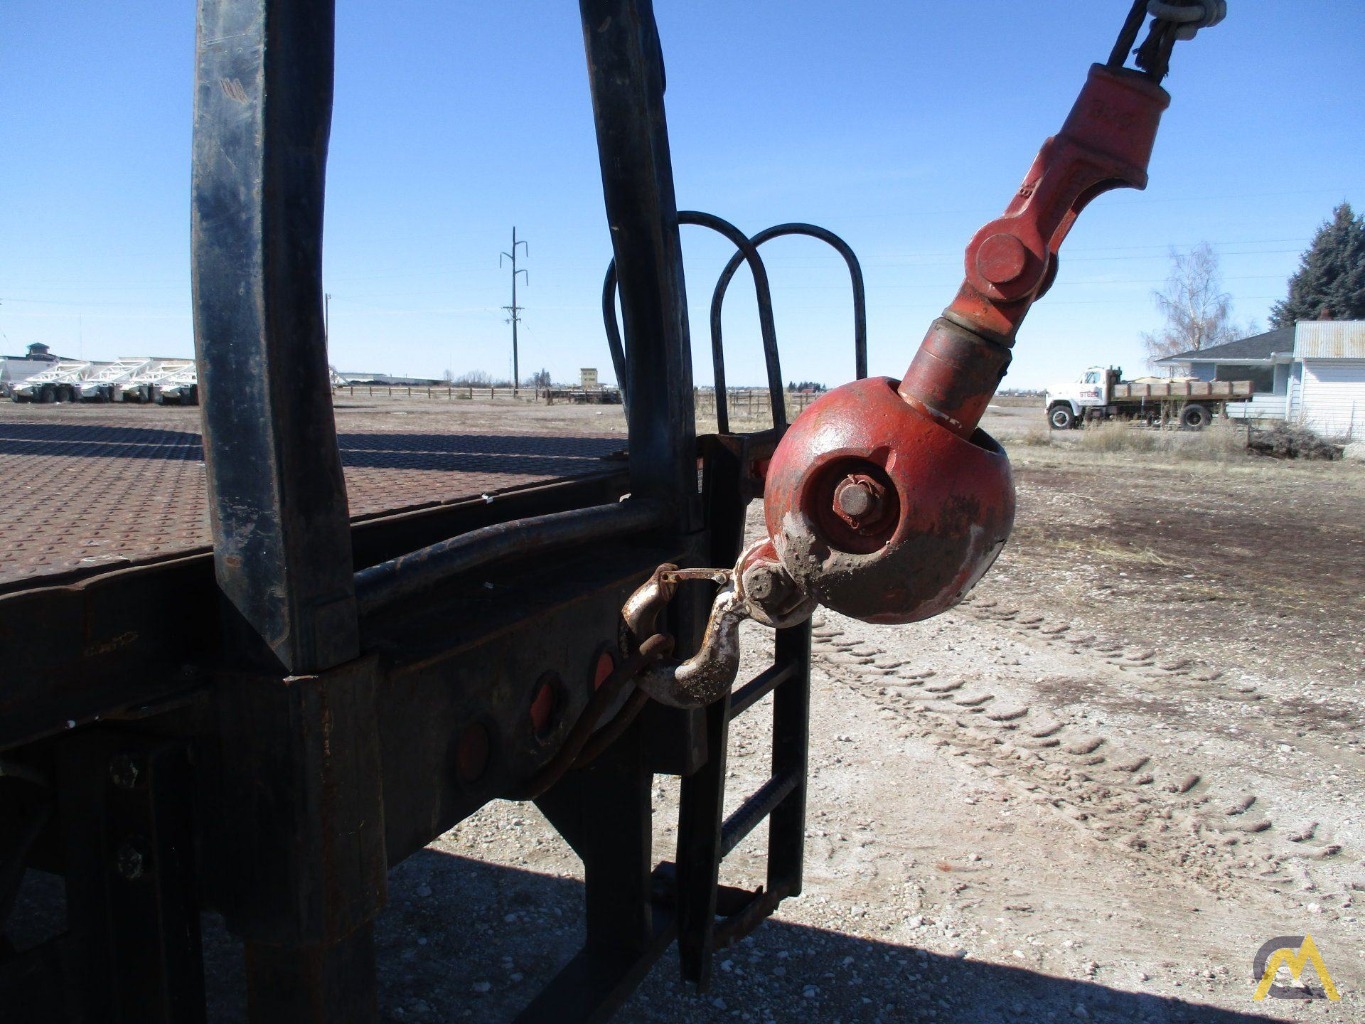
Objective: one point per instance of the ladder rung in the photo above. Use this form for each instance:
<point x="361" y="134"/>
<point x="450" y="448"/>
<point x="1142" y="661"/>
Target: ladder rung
<point x="745" y="919"/>
<point x="732" y="900"/>
<point x="759" y="687"/>
<point x="755" y="809"/>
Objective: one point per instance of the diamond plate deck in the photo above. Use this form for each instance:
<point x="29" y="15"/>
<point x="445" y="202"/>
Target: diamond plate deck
<point x="83" y="486"/>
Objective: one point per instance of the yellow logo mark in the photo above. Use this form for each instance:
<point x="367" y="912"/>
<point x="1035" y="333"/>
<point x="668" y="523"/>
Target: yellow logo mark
<point x="1306" y="954"/>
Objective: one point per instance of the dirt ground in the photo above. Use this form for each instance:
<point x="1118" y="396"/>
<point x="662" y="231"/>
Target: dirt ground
<point x="1091" y="792"/>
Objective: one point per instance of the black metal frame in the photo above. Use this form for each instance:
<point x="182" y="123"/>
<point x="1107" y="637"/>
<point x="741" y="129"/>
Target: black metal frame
<point x="266" y="730"/>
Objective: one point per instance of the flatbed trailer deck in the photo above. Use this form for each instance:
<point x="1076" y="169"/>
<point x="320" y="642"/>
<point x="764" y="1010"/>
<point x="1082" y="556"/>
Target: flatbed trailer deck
<point x="96" y="492"/>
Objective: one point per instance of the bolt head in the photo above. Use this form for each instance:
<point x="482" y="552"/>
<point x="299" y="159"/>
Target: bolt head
<point x="1001" y="258"/>
<point x="129" y="861"/>
<point x="855" y="500"/>
<point x="759" y="583"/>
<point x="124" y="771"/>
<point x="858" y="500"/>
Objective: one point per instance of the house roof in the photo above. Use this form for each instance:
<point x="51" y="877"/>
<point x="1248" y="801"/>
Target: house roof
<point x="1260" y="348"/>
<point x="1330" y="339"/>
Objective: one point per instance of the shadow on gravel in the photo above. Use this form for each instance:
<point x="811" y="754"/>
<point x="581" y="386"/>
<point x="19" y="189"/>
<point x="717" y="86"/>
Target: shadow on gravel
<point x="464" y="941"/>
<point x="455" y="453"/>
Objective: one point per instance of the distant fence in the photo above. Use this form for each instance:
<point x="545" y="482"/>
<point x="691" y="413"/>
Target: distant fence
<point x="445" y="392"/>
<point x="745" y="403"/>
<point x="752" y="403"/>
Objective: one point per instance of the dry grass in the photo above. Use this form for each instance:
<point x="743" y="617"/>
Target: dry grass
<point x="1221" y="441"/>
<point x="1035" y="435"/>
<point x="1090" y="551"/>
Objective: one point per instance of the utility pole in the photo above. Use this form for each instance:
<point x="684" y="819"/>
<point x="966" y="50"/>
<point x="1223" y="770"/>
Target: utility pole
<point x="513" y="310"/>
<point x="327" y="320"/>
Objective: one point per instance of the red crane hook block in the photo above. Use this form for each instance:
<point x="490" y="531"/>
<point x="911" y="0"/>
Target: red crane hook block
<point x="884" y="501"/>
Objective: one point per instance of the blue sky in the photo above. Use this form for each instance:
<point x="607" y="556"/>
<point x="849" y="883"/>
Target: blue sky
<point x="903" y="127"/>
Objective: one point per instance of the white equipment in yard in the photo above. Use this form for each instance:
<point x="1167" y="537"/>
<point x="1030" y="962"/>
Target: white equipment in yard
<point x="178" y="388"/>
<point x="142" y="386"/>
<point x="105" y="384"/>
<point x="1100" y="394"/>
<point x="59" y="384"/>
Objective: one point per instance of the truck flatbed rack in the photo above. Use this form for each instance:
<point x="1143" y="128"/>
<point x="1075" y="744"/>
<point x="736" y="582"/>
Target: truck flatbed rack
<point x="1216" y="390"/>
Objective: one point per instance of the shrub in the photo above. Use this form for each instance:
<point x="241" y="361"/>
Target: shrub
<point x="1286" y="441"/>
<point x="1037" y="435"/>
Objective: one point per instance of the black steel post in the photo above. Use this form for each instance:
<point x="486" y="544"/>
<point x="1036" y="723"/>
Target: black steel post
<point x="700" y="816"/>
<point x="791" y="746"/>
<point x="277" y="499"/>
<point x="128" y="856"/>
<point x="604" y="813"/>
<point x="702" y="798"/>
<point x="625" y="69"/>
<point x="300" y="810"/>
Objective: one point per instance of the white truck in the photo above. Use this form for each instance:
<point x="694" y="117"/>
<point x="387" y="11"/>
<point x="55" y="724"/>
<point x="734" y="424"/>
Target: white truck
<point x="1100" y="393"/>
<point x="143" y="386"/>
<point x="106" y="383"/>
<point x="61" y="383"/>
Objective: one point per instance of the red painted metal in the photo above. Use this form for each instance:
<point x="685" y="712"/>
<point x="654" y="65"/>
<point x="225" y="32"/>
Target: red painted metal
<point x="948" y="505"/>
<point x="884" y="500"/>
<point x="1105" y="143"/>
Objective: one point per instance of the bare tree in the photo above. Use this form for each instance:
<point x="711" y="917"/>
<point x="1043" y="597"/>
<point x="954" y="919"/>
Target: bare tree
<point x="1198" y="312"/>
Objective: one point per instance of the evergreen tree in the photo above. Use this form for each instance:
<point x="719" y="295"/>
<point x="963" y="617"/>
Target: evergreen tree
<point x="1330" y="281"/>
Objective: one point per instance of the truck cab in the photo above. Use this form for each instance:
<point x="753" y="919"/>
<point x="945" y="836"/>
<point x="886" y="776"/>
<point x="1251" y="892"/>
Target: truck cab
<point x="1066" y="403"/>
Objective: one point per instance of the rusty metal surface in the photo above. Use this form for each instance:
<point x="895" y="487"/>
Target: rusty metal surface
<point x="1329" y="339"/>
<point x="108" y="489"/>
<point x="708" y="674"/>
<point x="947" y="505"/>
<point x="1105" y="143"/>
<point x="416" y="572"/>
<point x="885" y="501"/>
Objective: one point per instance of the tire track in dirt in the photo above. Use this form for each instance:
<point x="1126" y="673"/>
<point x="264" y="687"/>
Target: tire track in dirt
<point x="1141" y="665"/>
<point x="1110" y="787"/>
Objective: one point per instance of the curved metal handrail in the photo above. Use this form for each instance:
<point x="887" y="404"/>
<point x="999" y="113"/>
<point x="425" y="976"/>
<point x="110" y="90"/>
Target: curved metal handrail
<point x="767" y="329"/>
<point x="855" y="272"/>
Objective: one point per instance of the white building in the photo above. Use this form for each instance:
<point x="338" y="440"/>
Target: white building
<point x="1312" y="373"/>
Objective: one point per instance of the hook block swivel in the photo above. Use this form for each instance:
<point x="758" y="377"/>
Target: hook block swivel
<point x="885" y="501"/>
